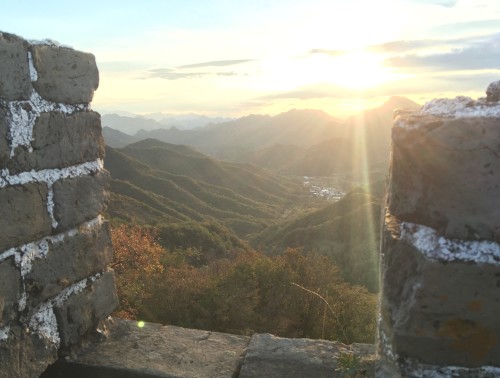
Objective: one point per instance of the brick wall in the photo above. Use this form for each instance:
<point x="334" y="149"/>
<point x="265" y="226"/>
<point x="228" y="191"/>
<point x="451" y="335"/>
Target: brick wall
<point x="54" y="243"/>
<point x="440" y="301"/>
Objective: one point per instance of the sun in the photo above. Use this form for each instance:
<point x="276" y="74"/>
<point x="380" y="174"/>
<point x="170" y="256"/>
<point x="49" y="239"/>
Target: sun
<point x="353" y="70"/>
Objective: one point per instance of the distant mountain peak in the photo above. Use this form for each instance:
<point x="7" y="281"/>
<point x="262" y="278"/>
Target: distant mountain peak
<point x="399" y="102"/>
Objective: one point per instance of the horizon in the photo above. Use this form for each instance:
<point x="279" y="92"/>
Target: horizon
<point x="155" y="115"/>
<point x="230" y="59"/>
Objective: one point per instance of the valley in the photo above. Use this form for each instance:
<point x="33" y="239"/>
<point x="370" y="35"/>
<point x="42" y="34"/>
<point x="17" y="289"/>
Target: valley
<point x="298" y="184"/>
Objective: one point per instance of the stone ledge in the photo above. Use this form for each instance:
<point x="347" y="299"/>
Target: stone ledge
<point x="154" y="350"/>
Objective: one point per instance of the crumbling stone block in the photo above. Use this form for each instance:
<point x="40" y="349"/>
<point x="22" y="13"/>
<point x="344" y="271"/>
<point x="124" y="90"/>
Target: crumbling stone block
<point x="69" y="261"/>
<point x="445" y="173"/>
<point x="493" y="92"/>
<point x="10" y="285"/>
<point x="80" y="199"/>
<point x="271" y="356"/>
<point x="439" y="312"/>
<point x="24" y="214"/>
<point x="65" y="75"/>
<point x="82" y="312"/>
<point x="25" y="354"/>
<point x="61" y="140"/>
<point x="15" y="82"/>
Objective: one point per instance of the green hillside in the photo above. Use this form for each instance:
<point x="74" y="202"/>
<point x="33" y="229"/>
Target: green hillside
<point x="160" y="184"/>
<point x="347" y="231"/>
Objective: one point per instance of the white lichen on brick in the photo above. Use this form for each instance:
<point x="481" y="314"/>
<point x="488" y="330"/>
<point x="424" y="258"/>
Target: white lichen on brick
<point x="44" y="323"/>
<point x="32" y="69"/>
<point x="25" y="254"/>
<point x="30" y="252"/>
<point x="49" y="42"/>
<point x="431" y="371"/>
<point x="50" y="206"/>
<point x="385" y="343"/>
<point x="461" y="107"/>
<point x="74" y="289"/>
<point x="436" y="247"/>
<point x="49" y="176"/>
<point x="23" y="300"/>
<point x="4" y="333"/>
<point x="22" y="115"/>
<point x="10" y="252"/>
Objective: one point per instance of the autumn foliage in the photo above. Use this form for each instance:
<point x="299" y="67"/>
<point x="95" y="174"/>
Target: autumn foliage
<point x="290" y="295"/>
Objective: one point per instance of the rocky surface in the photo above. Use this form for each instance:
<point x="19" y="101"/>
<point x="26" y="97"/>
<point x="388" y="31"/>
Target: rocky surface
<point x="445" y="173"/>
<point x="271" y="356"/>
<point x="15" y="83"/>
<point x="61" y="140"/>
<point x="68" y="261"/>
<point x="24" y="215"/>
<point x="79" y="199"/>
<point x="138" y="350"/>
<point x="493" y="92"/>
<point x="64" y="75"/>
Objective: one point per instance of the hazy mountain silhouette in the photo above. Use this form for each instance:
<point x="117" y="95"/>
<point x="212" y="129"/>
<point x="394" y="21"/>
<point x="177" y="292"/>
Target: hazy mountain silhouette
<point x="298" y="142"/>
<point x="116" y="139"/>
<point x="360" y="142"/>
<point x="131" y="124"/>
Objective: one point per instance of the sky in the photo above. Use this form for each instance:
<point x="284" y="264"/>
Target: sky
<point x="239" y="57"/>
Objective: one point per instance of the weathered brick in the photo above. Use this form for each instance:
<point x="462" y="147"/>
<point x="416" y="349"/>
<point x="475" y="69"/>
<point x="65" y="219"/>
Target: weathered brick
<point x="61" y="140"/>
<point x="69" y="261"/>
<point x="15" y="82"/>
<point x="82" y="312"/>
<point x="25" y="354"/>
<point x="4" y="145"/>
<point x="65" y="75"/>
<point x="444" y="174"/>
<point x="440" y="313"/>
<point x="24" y="214"/>
<point x="80" y="199"/>
<point x="10" y="284"/>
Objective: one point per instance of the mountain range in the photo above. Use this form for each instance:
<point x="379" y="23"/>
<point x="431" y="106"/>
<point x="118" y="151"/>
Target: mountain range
<point x="297" y="142"/>
<point x="131" y="124"/>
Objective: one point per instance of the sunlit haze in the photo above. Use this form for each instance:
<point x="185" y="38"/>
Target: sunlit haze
<point x="233" y="58"/>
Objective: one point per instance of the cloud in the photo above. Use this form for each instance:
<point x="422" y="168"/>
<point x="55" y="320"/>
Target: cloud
<point x="312" y="92"/>
<point x="174" y="74"/>
<point x="171" y="74"/>
<point x="406" y="46"/>
<point x="216" y="63"/>
<point x="328" y="52"/>
<point x="468" y="54"/>
<point x="468" y="26"/>
<point x="442" y="3"/>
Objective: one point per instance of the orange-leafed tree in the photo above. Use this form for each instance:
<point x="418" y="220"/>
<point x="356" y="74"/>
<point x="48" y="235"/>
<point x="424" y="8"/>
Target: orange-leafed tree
<point x="137" y="266"/>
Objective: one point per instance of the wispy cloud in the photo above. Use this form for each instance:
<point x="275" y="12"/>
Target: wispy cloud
<point x="312" y="92"/>
<point x="192" y="71"/>
<point x="468" y="54"/>
<point x="442" y="3"/>
<point x="171" y="74"/>
<point x="216" y="63"/>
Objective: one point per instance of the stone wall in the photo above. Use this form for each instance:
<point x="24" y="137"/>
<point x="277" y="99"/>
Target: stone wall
<point x="54" y="244"/>
<point x="440" y="301"/>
